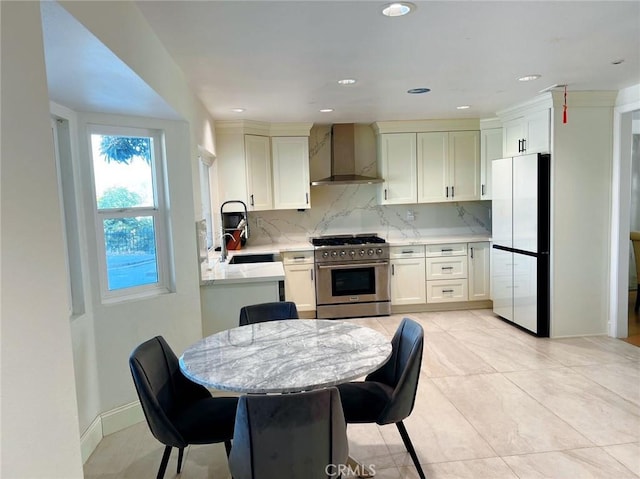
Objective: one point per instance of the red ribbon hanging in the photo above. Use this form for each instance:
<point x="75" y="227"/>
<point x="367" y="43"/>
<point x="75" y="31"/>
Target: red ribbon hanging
<point x="564" y="107"/>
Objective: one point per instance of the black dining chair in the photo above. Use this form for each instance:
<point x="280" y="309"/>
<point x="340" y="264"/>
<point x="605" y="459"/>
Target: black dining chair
<point x="294" y="436"/>
<point x="388" y="394"/>
<point x="178" y="411"/>
<point x="258" y="313"/>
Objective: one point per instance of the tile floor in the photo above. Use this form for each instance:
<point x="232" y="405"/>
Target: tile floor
<point x="493" y="402"/>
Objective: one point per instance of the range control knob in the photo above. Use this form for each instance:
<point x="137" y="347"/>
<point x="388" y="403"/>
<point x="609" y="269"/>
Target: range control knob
<point x="334" y="254"/>
<point x="343" y="254"/>
<point x="352" y="253"/>
<point x="379" y="251"/>
<point x="370" y="252"/>
<point x="361" y="252"/>
<point x="325" y="254"/>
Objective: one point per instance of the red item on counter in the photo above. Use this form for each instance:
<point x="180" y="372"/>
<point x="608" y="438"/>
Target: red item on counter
<point x="235" y="242"/>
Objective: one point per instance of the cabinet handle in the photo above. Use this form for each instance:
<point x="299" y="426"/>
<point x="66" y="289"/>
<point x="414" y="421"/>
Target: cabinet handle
<point x="385" y="193"/>
<point x="251" y="200"/>
<point x="447" y="192"/>
<point x="311" y="274"/>
<point x="471" y="253"/>
<point x="407" y="251"/>
<point x="446" y="267"/>
<point x="482" y="190"/>
<point x="447" y="291"/>
<point x="453" y="192"/>
<point x="446" y="250"/>
<point x="393" y="269"/>
<point x="296" y="258"/>
<point x="524" y="144"/>
<point x="307" y="197"/>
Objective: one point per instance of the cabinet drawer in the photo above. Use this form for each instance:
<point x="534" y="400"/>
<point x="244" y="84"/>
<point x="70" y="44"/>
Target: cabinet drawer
<point x="446" y="291"/>
<point x="297" y="257"/>
<point x="446" y="268"/>
<point x="413" y="251"/>
<point x="447" y="249"/>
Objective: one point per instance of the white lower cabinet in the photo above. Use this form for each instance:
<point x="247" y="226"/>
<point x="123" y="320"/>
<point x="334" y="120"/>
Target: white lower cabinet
<point x="299" y="279"/>
<point x="448" y="290"/>
<point x="479" y="258"/>
<point x="407" y="275"/>
<point x="447" y="273"/>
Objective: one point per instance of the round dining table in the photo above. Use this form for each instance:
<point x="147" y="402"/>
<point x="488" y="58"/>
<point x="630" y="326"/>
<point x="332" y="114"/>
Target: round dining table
<point x="285" y="356"/>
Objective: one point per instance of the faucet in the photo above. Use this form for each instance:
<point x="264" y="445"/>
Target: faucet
<point x="223" y="243"/>
<point x="223" y="246"/>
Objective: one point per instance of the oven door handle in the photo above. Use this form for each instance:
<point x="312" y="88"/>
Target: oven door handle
<point x="353" y="265"/>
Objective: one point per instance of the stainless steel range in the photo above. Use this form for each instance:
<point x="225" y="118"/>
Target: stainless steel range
<point x="352" y="276"/>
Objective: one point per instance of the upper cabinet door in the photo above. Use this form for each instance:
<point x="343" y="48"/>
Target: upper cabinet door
<point x="538" y="127"/>
<point x="397" y="156"/>
<point x="464" y="165"/>
<point x="513" y="134"/>
<point x="258" y="161"/>
<point x="433" y="169"/>
<point x="290" y="172"/>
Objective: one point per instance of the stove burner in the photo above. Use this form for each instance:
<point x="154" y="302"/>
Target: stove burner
<point x="342" y="240"/>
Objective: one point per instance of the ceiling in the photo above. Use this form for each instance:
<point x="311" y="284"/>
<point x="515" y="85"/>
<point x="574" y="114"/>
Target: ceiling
<point x="280" y="61"/>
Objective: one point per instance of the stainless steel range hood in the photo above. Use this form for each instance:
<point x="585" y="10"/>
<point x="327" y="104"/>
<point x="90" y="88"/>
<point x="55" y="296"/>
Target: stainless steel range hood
<point x="343" y="159"/>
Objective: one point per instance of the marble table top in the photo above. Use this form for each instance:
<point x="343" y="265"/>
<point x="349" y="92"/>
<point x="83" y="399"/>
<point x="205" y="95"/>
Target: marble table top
<point x="285" y="356"/>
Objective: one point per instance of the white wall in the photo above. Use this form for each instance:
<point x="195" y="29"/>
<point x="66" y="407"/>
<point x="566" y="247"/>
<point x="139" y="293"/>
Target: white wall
<point x="581" y="163"/>
<point x="39" y="411"/>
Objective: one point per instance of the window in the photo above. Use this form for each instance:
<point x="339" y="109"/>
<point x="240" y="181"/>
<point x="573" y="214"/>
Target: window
<point x="130" y="210"/>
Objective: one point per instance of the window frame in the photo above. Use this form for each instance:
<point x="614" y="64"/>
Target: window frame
<point x="158" y="211"/>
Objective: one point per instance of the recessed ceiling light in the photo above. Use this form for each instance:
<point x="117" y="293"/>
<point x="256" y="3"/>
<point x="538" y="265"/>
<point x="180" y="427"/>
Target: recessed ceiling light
<point x="418" y="91"/>
<point x="463" y="107"/>
<point x="398" y="9"/>
<point x="326" y="110"/>
<point x="529" y="78"/>
<point x="618" y="62"/>
<point x="237" y="110"/>
<point x="347" y="81"/>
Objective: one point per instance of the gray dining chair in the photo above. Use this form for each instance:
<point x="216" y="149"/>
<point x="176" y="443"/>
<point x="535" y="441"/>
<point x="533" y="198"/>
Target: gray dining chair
<point x="294" y="436"/>
<point x="388" y="394"/>
<point x="258" y="313"/>
<point x="178" y="411"/>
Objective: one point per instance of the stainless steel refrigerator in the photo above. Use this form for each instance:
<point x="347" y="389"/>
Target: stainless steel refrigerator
<point x="521" y="242"/>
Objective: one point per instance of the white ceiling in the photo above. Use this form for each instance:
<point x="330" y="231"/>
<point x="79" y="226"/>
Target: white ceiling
<point x="281" y="60"/>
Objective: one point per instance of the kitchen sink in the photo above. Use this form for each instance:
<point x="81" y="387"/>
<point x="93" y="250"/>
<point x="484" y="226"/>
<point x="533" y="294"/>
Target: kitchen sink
<point x="252" y="258"/>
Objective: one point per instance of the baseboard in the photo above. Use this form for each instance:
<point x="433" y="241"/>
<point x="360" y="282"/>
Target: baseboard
<point x="107" y="423"/>
<point x="121" y="418"/>
<point x="90" y="439"/>
<point x="434" y="307"/>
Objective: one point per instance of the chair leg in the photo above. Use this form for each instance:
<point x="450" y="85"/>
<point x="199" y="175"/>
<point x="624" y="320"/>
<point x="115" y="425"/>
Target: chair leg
<point x="637" y="299"/>
<point x="412" y="452"/>
<point x="227" y="447"/>
<point x="164" y="462"/>
<point x="180" y="454"/>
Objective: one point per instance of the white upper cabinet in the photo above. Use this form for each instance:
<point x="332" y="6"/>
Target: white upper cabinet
<point x="258" y="164"/>
<point x="397" y="165"/>
<point x="527" y="134"/>
<point x="290" y="172"/>
<point x="448" y="166"/>
<point x="490" y="149"/>
<point x="250" y="170"/>
<point x="428" y="161"/>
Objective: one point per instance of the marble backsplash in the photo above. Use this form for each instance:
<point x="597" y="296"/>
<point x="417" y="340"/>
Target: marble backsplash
<point x="350" y="209"/>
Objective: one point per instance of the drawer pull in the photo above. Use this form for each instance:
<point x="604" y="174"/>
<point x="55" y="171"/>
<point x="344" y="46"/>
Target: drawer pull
<point x="447" y="267"/>
<point x="446" y="250"/>
<point x="447" y="291"/>
<point x="407" y="251"/>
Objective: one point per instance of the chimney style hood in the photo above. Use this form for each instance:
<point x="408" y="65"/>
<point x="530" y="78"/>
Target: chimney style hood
<point x="343" y="159"/>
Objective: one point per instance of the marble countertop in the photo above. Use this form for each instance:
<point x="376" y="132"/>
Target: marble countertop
<point x="285" y="356"/>
<point x="213" y="272"/>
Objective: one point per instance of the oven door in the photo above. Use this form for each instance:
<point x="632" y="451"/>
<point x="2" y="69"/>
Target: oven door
<point x="352" y="283"/>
